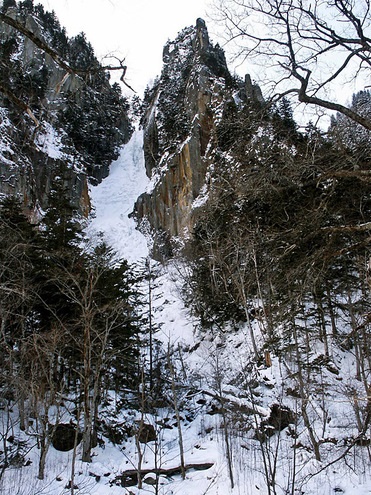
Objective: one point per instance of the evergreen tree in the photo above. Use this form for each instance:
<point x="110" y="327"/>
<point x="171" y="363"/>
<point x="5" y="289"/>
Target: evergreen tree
<point x="351" y="138"/>
<point x="61" y="229"/>
<point x="60" y="240"/>
<point x="18" y="293"/>
<point x="284" y="119"/>
<point x="8" y="4"/>
<point x="116" y="293"/>
<point x="26" y="6"/>
<point x="17" y="248"/>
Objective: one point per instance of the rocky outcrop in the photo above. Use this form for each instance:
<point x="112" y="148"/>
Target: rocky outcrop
<point x="33" y="58"/>
<point x="179" y="135"/>
<point x="29" y="170"/>
<point x="81" y="120"/>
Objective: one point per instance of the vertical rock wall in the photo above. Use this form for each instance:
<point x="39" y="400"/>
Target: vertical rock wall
<point x="177" y="163"/>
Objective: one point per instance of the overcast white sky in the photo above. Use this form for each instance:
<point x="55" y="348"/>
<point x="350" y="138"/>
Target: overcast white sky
<point x="134" y="29"/>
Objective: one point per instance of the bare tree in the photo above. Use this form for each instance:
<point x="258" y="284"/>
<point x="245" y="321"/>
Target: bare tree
<point x="176" y="409"/>
<point x="45" y="391"/>
<point x="101" y="330"/>
<point x="309" y="45"/>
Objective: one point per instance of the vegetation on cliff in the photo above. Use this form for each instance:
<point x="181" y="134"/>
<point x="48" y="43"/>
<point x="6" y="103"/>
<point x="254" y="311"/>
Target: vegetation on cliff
<point x="49" y="81"/>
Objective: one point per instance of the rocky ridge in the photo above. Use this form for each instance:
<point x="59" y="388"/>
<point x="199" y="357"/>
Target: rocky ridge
<point x="182" y="113"/>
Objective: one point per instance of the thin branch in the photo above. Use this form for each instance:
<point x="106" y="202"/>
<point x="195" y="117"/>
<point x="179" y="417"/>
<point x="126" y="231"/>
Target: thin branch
<point x="18" y="26"/>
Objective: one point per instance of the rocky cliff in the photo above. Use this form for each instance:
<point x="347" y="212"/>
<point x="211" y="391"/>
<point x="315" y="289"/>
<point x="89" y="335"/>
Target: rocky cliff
<point x="54" y="122"/>
<point x="181" y="112"/>
<point x="181" y="116"/>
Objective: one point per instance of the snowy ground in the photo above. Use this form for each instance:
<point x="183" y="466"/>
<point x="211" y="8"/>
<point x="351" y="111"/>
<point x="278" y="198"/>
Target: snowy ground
<point x="210" y="364"/>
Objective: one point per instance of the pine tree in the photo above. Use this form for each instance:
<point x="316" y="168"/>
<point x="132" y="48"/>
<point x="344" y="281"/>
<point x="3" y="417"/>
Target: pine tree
<point x="8" y="4"/>
<point x="60" y="248"/>
<point x="18" y="293"/>
<point x="17" y="248"/>
<point x="61" y="228"/>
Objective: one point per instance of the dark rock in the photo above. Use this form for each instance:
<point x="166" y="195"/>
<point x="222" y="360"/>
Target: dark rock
<point x="129" y="479"/>
<point x="150" y="480"/>
<point x="96" y="476"/>
<point x="147" y="433"/>
<point x="363" y="442"/>
<point x="69" y="486"/>
<point x="280" y="418"/>
<point x="64" y="437"/>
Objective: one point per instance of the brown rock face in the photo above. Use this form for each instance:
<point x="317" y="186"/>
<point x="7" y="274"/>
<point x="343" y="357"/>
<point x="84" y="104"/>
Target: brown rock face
<point x="179" y="135"/>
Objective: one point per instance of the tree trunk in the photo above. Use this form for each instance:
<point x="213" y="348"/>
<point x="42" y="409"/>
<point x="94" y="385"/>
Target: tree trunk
<point x="177" y="415"/>
<point x="88" y="420"/>
<point x="304" y="400"/>
<point x="331" y="312"/>
<point x="44" y="447"/>
<point x="87" y="431"/>
<point x="322" y="324"/>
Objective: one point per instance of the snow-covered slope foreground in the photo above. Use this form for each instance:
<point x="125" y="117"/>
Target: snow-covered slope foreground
<point x="209" y="363"/>
<point x="222" y="406"/>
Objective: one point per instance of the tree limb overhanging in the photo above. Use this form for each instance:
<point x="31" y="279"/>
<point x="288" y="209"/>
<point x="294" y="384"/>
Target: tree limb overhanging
<point x="42" y="45"/>
<point x="19" y="103"/>
<point x="18" y="26"/>
<point x="56" y="57"/>
<point x="314" y="44"/>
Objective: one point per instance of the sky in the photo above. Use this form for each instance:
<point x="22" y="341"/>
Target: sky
<point x="135" y="30"/>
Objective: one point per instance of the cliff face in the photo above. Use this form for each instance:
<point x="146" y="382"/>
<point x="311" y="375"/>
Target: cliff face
<point x="74" y="124"/>
<point x="179" y="134"/>
<point x="28" y="168"/>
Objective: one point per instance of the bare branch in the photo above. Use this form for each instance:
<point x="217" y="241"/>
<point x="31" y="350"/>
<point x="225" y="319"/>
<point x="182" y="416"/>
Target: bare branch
<point x="315" y="43"/>
<point x="19" y="103"/>
<point x="18" y="26"/>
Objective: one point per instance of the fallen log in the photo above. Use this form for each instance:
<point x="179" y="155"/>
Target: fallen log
<point x="130" y="476"/>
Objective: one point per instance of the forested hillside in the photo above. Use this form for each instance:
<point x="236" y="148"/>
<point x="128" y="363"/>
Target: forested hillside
<point x="232" y="353"/>
<point x="59" y="114"/>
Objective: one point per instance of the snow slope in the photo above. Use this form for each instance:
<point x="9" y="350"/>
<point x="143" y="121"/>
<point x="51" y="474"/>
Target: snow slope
<point x="113" y="201"/>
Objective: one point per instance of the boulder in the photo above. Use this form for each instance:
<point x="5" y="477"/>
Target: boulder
<point x="64" y="437"/>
